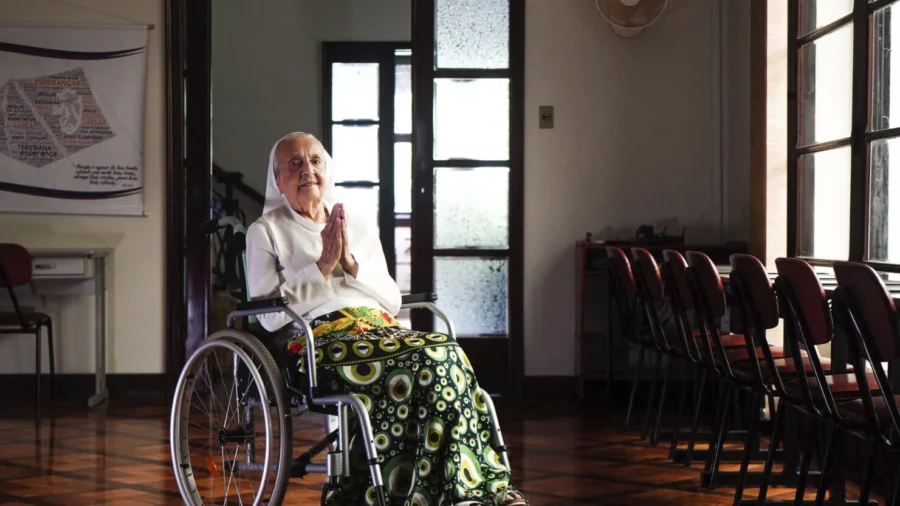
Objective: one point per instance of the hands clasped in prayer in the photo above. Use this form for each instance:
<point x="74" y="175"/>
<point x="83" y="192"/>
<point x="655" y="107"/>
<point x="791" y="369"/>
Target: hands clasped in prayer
<point x="336" y="245"/>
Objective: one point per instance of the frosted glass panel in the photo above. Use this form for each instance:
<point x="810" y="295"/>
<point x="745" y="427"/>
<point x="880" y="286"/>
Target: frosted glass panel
<point x="471" y="208"/>
<point x="354" y="91"/>
<point x="473" y="293"/>
<point x="359" y="200"/>
<point x="403" y="177"/>
<point x="403" y="99"/>
<point x="471" y="119"/>
<point x="472" y="34"/>
<point x="355" y="152"/>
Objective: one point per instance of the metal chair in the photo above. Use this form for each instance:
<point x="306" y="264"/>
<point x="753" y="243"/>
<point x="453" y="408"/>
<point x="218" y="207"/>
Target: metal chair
<point x="16" y="271"/>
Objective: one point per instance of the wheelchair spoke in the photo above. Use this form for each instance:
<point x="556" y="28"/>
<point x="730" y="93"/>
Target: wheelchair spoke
<point x="228" y="446"/>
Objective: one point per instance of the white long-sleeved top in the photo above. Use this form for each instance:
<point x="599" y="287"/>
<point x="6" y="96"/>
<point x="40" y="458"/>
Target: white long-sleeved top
<point x="282" y="250"/>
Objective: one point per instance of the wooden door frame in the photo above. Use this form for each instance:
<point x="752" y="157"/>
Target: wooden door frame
<point x="423" y="33"/>
<point x="187" y="275"/>
<point x="188" y="173"/>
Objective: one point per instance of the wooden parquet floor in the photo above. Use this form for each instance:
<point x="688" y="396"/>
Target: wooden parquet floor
<point x="119" y="455"/>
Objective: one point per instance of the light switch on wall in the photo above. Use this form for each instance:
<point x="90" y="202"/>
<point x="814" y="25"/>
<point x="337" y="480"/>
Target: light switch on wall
<point x="545" y="115"/>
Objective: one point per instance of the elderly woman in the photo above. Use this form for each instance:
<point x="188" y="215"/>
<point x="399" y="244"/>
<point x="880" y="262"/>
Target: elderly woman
<point x="432" y="430"/>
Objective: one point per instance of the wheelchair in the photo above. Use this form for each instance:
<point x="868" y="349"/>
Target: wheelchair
<point x="247" y="434"/>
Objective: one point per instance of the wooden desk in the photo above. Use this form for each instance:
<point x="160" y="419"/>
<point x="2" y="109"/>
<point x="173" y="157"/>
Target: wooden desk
<point x="74" y="266"/>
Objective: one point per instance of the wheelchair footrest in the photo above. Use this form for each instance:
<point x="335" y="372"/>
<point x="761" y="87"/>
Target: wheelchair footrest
<point x="302" y="465"/>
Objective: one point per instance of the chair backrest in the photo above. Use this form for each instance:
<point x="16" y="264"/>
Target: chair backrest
<point x="623" y="289"/>
<point x="868" y="314"/>
<point x="756" y="289"/>
<point x="676" y="267"/>
<point x="621" y="269"/>
<point x="709" y="284"/>
<point x="752" y="291"/>
<point x="810" y="297"/>
<point x="648" y="273"/>
<point x="15" y="265"/>
<point x="875" y="305"/>
<point x="808" y="323"/>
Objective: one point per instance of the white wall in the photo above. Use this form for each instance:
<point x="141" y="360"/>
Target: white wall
<point x="136" y="270"/>
<point x="267" y="69"/>
<point x="635" y="141"/>
<point x="636" y="138"/>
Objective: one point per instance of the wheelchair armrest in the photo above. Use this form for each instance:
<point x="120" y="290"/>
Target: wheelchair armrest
<point x="263" y="305"/>
<point x="418" y="298"/>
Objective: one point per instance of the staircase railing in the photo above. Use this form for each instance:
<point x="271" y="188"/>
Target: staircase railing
<point x="227" y="203"/>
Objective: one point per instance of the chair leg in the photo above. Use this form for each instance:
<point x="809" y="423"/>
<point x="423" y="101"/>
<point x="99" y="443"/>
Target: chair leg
<point x="865" y="486"/>
<point x="770" y="456"/>
<point x="649" y="409"/>
<point x="751" y="445"/>
<point x="827" y="462"/>
<point x="676" y="432"/>
<point x="37" y="368"/>
<point x="807" y="460"/>
<point x="634" y="385"/>
<point x="654" y="438"/>
<point x="696" y="421"/>
<point x="52" y="360"/>
<point x="714" y="456"/>
<point x="895" y="486"/>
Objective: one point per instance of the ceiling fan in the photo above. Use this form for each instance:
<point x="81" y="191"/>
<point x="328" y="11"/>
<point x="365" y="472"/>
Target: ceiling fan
<point x="628" y="18"/>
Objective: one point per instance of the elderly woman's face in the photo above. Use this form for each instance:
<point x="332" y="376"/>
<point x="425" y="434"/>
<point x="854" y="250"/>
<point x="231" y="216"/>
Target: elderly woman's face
<point x="301" y="171"/>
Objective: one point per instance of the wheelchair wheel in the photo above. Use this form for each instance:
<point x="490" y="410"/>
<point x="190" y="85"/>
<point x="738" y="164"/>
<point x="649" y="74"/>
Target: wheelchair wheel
<point x="230" y="429"/>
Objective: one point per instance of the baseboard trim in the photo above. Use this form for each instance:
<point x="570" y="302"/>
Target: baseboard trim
<point x="78" y="387"/>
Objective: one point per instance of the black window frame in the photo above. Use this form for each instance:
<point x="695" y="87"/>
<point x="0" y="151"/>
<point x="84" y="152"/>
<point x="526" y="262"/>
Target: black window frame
<point x="865" y="242"/>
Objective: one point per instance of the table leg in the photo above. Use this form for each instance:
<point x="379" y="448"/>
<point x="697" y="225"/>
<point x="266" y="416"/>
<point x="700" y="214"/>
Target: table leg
<point x="100" y="391"/>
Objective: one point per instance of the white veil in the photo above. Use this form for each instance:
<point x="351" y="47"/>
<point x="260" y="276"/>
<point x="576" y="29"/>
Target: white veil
<point x="274" y="197"/>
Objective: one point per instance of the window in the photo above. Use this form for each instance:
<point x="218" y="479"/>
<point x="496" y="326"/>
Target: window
<point x="844" y="90"/>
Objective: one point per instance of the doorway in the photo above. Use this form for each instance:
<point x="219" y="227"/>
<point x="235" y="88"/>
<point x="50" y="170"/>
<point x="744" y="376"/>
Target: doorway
<point x="431" y="143"/>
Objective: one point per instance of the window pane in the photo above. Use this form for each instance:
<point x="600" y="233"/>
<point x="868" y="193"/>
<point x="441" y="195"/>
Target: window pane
<point x="471" y="119"/>
<point x="354" y="91"/>
<point x="403" y="99"/>
<point x="885" y="69"/>
<point x="402" y="177"/>
<point x="826" y="82"/>
<point x="471" y="208"/>
<point x="403" y="253"/>
<point x="884" y="201"/>
<point x="360" y="200"/>
<point x="472" y="34"/>
<point x="473" y="293"/>
<point x="824" y="204"/>
<point x="815" y="14"/>
<point x="355" y="152"/>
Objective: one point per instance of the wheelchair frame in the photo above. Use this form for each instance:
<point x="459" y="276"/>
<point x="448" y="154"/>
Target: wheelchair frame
<point x="345" y="406"/>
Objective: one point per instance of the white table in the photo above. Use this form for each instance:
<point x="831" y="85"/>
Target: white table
<point x="77" y="271"/>
<point x="73" y="265"/>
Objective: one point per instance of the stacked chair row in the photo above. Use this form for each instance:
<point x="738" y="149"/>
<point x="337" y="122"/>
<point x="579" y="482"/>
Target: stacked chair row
<point x="673" y="310"/>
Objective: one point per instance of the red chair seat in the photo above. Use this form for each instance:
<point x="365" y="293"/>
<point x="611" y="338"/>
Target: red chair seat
<point x="32" y="319"/>
<point x="728" y="340"/>
<point x="786" y="365"/>
<point x="742" y="354"/>
<point x="844" y="383"/>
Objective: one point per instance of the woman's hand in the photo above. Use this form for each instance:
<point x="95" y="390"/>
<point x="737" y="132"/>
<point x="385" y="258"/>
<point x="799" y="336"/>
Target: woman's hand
<point x="332" y="245"/>
<point x="348" y="261"/>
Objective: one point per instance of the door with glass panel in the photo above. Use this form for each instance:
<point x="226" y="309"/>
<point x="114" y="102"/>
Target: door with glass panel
<point x="368" y="131"/>
<point x="467" y="179"/>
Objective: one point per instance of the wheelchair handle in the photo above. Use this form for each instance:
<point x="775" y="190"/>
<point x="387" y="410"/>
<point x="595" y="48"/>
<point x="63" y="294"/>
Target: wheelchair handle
<point x="214" y="225"/>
